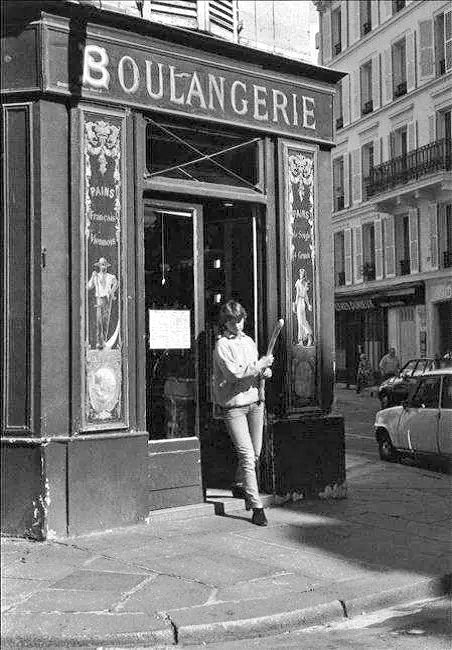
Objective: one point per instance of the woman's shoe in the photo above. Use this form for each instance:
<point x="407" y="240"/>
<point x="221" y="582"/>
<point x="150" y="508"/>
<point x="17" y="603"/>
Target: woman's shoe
<point x="259" y="518"/>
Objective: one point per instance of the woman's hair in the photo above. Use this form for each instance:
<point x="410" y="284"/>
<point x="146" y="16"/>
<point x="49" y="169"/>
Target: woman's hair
<point x="231" y="311"/>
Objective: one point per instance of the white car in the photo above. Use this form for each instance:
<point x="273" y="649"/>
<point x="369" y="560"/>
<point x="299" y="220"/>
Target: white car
<point x="422" y="425"/>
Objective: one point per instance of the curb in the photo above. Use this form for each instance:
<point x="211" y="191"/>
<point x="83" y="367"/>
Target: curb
<point x="267" y="625"/>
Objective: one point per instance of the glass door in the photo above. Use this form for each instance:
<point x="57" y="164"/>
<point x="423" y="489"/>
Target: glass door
<point x="174" y="301"/>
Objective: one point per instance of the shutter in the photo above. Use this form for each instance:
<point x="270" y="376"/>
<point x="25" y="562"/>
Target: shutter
<point x="344" y="24"/>
<point x="391" y="146"/>
<point x="355" y="92"/>
<point x="389" y="249"/>
<point x="378" y="249"/>
<point x="411" y="136"/>
<point x="348" y="255"/>
<point x="376" y="81"/>
<point x="354" y="25"/>
<point x="410" y="62"/>
<point x="223" y="18"/>
<point x="426" y="50"/>
<point x="377" y="152"/>
<point x="184" y="14"/>
<point x="432" y="128"/>
<point x="374" y="14"/>
<point x="386" y="79"/>
<point x="433" y="228"/>
<point x="356" y="176"/>
<point x="346" y="182"/>
<point x="414" y="239"/>
<point x="358" y="250"/>
<point x="346" y="99"/>
<point x="448" y="39"/>
<point x="385" y="10"/>
<point x="326" y="36"/>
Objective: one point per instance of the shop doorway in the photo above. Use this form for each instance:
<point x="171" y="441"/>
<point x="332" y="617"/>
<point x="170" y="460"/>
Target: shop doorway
<point x="196" y="256"/>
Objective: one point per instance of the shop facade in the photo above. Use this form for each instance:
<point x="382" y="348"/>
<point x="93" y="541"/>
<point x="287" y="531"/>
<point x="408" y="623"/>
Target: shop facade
<point x="150" y="174"/>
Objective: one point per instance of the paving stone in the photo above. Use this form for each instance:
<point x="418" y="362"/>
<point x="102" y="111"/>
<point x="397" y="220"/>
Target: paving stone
<point x="66" y="601"/>
<point x="100" y="581"/>
<point x="165" y="592"/>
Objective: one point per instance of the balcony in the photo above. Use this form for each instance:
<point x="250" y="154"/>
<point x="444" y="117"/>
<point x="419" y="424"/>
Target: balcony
<point x="429" y="159"/>
<point x="367" y="107"/>
<point x="339" y="123"/>
<point x="337" y="48"/>
<point x="365" y="28"/>
<point x="400" y="89"/>
<point x="447" y="259"/>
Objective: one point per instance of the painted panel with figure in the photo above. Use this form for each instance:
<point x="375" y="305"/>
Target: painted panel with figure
<point x="105" y="405"/>
<point x="299" y="180"/>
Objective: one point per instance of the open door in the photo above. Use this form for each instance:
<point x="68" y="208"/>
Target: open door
<point x="174" y="300"/>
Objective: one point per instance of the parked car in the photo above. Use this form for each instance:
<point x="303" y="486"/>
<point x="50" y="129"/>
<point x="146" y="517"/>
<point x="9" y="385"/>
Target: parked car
<point x="422" y="425"/>
<point x="394" y="390"/>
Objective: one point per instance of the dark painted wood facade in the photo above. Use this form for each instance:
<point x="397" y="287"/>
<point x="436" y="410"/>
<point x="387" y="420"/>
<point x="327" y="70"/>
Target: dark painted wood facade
<point x="98" y="427"/>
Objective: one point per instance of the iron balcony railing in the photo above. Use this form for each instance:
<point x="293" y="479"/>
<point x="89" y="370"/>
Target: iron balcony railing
<point x="433" y="157"/>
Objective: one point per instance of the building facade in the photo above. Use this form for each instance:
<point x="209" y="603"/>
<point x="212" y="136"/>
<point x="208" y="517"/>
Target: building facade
<point x="392" y="179"/>
<point x="150" y="172"/>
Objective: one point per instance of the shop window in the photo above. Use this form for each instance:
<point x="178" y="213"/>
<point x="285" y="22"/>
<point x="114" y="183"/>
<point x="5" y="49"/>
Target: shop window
<point x="203" y="155"/>
<point x="339" y="259"/>
<point x="366" y="88"/>
<point x="365" y="16"/>
<point x="367" y="162"/>
<point x="443" y="42"/>
<point x="399" y="76"/>
<point x="338" y="183"/>
<point x="368" y="252"/>
<point x="336" y="27"/>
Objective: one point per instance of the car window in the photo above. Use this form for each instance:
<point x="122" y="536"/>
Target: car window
<point x="408" y="367"/>
<point x="427" y="393"/>
<point x="420" y="368"/>
<point x="446" y="393"/>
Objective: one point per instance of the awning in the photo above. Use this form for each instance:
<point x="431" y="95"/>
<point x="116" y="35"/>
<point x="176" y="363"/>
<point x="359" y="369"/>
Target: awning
<point x="412" y="293"/>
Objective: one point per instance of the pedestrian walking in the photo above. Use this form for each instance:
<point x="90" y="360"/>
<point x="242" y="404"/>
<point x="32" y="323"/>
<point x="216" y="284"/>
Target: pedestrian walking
<point x="237" y="373"/>
<point x="363" y="373"/>
<point x="389" y="364"/>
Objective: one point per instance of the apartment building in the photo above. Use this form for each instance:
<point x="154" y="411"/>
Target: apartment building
<point x="392" y="180"/>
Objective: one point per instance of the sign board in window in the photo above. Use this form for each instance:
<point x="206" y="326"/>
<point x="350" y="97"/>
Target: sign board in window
<point x="169" y="329"/>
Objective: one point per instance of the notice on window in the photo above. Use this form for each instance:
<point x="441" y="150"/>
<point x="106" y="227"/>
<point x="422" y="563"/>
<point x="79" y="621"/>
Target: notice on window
<point x="169" y="329"/>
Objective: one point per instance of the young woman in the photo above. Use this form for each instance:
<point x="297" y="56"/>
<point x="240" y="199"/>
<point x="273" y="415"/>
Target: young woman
<point x="237" y="371"/>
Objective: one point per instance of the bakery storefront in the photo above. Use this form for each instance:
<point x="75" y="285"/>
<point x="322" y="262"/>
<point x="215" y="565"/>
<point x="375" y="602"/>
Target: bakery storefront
<point x="151" y="173"/>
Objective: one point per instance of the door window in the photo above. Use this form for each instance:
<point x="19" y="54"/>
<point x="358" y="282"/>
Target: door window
<point x="427" y="393"/>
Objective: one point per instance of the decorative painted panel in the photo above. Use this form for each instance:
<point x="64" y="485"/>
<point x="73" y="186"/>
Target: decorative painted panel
<point x="299" y="165"/>
<point x="104" y="376"/>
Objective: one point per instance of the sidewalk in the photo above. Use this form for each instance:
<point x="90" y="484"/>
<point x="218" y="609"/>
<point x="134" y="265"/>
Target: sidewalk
<point x="193" y="577"/>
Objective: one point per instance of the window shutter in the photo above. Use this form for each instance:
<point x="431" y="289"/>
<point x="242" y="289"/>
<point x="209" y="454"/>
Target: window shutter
<point x="223" y="18"/>
<point x="326" y="36"/>
<point x="411" y="136"/>
<point x="448" y="39"/>
<point x="432" y="128"/>
<point x="346" y="182"/>
<point x="355" y="92"/>
<point x="410" y="62"/>
<point x="358" y="249"/>
<point x="356" y="176"/>
<point x="348" y="255"/>
<point x="414" y="239"/>
<point x="426" y="50"/>
<point x="184" y="14"/>
<point x="374" y="14"/>
<point x="377" y="152"/>
<point x="376" y="81"/>
<point x="389" y="249"/>
<point x="354" y="24"/>
<point x="385" y="10"/>
<point x="344" y="24"/>
<point x="433" y="227"/>
<point x="378" y="249"/>
<point x="346" y="99"/>
<point x="387" y="76"/>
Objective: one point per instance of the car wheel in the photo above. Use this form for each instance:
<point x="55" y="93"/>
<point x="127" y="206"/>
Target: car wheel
<point x="386" y="448"/>
<point x="384" y="401"/>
